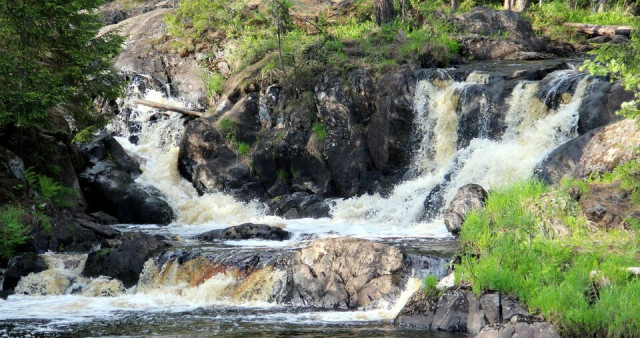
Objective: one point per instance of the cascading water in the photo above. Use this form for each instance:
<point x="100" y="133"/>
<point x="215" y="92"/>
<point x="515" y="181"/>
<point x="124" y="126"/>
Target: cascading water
<point x="464" y="134"/>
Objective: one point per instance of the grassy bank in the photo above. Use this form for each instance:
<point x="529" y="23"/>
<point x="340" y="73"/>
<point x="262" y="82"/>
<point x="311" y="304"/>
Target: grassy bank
<point x="535" y="243"/>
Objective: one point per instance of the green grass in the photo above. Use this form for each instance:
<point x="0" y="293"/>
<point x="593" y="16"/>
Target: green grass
<point x="430" y="286"/>
<point x="514" y="246"/>
<point x="13" y="231"/>
<point x="552" y="15"/>
<point x="227" y="128"/>
<point x="243" y="148"/>
<point x="319" y="131"/>
<point x="213" y="82"/>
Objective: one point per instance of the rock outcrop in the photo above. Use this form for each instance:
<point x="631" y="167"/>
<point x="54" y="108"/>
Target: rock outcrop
<point x="108" y="185"/>
<point x="459" y="310"/>
<point x="469" y="197"/>
<point x="503" y="35"/>
<point x="246" y="231"/>
<point x="125" y="259"/>
<point x="599" y="150"/>
<point x="346" y="273"/>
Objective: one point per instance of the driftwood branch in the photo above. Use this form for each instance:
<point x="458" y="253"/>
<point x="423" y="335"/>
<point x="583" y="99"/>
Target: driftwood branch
<point x="169" y="108"/>
<point x="597" y="30"/>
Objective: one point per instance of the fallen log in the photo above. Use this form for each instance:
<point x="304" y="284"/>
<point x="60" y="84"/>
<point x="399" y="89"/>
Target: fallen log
<point x="597" y="30"/>
<point x="169" y="108"/>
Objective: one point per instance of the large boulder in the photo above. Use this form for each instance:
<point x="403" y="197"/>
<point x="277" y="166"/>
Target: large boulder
<point x="468" y="197"/>
<point x="520" y="327"/>
<point x="246" y="231"/>
<point x="600" y="103"/>
<point x="209" y="160"/>
<point x="346" y="273"/>
<point x="502" y="35"/>
<point x="599" y="150"/>
<point x="125" y="260"/>
<point x="22" y="265"/>
<point x="108" y="185"/>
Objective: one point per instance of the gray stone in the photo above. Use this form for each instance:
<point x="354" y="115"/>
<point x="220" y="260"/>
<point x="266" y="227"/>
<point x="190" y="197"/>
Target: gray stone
<point x="469" y="197"/>
<point x="346" y="273"/>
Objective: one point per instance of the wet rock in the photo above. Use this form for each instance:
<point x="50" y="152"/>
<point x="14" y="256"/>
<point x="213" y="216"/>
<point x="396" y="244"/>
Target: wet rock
<point x="103" y="218"/>
<point x="390" y="129"/>
<point x="125" y="261"/>
<point x="529" y="328"/>
<point x="102" y="230"/>
<point x="108" y="185"/>
<point x="207" y="160"/>
<point x="418" y="313"/>
<point x="247" y="231"/>
<point x="345" y="273"/>
<point x="599" y="150"/>
<point x="22" y="265"/>
<point x="459" y="310"/>
<point x="300" y="205"/>
<point x="469" y="197"/>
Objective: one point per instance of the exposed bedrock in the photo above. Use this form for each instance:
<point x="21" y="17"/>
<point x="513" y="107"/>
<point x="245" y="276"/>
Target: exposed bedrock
<point x="108" y="185"/>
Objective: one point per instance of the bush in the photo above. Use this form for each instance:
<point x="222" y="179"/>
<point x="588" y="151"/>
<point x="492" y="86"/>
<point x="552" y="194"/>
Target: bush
<point x="319" y="131"/>
<point x="13" y="232"/>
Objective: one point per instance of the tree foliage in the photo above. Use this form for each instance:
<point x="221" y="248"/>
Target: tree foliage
<point x="51" y="54"/>
<point x="621" y="62"/>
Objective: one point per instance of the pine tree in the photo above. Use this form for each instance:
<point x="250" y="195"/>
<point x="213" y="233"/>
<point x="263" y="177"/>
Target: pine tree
<point x="51" y="54"/>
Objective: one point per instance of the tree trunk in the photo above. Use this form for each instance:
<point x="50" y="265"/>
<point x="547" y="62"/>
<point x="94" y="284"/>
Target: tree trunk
<point x="597" y="30"/>
<point x="454" y="5"/>
<point x="520" y="5"/>
<point x="507" y="4"/>
<point x="383" y="11"/>
<point x="169" y="108"/>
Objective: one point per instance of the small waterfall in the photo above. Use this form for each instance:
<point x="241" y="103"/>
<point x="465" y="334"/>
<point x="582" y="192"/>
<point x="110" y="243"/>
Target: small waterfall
<point x="63" y="277"/>
<point x="533" y="126"/>
<point x="152" y="138"/>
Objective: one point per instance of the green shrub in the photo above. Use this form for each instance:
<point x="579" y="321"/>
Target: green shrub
<point x="319" y="131"/>
<point x="13" y="231"/>
<point x="243" y="148"/>
<point x="227" y="128"/>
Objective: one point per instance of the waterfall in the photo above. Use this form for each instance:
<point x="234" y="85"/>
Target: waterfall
<point x="465" y="133"/>
<point x="532" y="130"/>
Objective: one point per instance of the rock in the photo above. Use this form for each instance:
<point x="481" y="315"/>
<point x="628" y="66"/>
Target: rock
<point x="22" y="265"/>
<point x="125" y="261"/>
<point x="469" y="197"/>
<point x="343" y="106"/>
<point x="390" y="129"/>
<point x="345" y="273"/>
<point x="143" y="53"/>
<point x="102" y="230"/>
<point x="501" y="35"/>
<point x="452" y="311"/>
<point x="108" y="185"/>
<point x="103" y="218"/>
<point x="206" y="159"/>
<point x="418" y="313"/>
<point x="519" y="329"/>
<point x="599" y="150"/>
<point x="459" y="310"/>
<point x="600" y="103"/>
<point x="247" y="231"/>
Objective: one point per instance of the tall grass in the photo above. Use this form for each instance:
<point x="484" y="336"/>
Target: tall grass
<point x="510" y="247"/>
